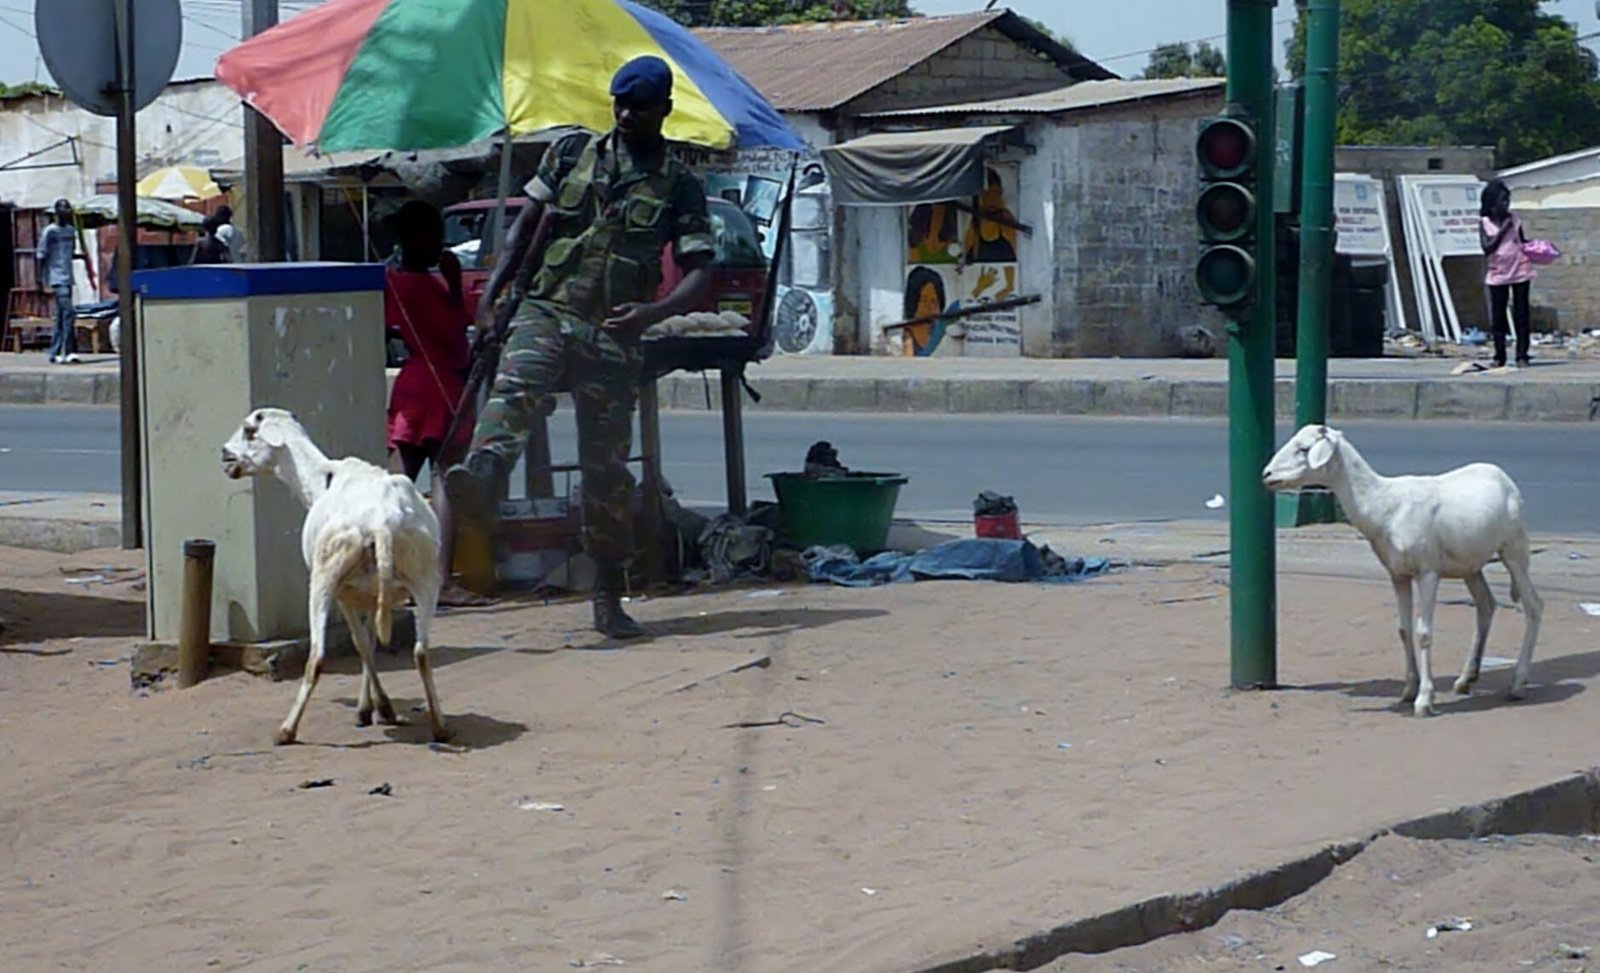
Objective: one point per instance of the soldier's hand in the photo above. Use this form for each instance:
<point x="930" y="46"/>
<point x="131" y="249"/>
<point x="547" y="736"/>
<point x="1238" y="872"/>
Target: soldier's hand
<point x="632" y="319"/>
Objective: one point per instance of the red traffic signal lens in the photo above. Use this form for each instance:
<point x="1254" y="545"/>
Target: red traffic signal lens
<point x="1226" y="148"/>
<point x="1226" y="275"/>
<point x="1226" y="212"/>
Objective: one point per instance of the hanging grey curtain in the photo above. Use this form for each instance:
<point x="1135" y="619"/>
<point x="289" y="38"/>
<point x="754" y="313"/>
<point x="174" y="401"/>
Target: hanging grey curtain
<point x="902" y="168"/>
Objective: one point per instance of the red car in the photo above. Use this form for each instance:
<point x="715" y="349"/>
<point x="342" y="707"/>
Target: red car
<point x="738" y="272"/>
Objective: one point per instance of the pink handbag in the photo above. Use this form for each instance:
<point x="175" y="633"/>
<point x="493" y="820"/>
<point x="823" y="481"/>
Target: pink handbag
<point x="1541" y="252"/>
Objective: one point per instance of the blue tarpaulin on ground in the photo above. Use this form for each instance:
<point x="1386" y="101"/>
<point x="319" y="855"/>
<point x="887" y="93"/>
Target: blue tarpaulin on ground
<point x="973" y="559"/>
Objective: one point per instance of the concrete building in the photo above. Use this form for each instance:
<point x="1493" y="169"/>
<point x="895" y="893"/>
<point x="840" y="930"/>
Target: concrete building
<point x="54" y="149"/>
<point x="1099" y="180"/>
<point x="832" y="82"/>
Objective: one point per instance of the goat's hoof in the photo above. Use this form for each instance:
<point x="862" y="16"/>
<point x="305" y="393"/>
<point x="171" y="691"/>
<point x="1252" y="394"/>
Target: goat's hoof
<point x="443" y="734"/>
<point x="386" y="713"/>
<point x="1408" y="697"/>
<point x="284" y="737"/>
<point x="1516" y="694"/>
<point x="364" y="717"/>
<point x="1423" y="710"/>
<point x="1463" y="687"/>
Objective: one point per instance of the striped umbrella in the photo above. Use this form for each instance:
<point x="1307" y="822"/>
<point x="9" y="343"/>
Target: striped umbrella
<point x="428" y="74"/>
<point x="179" y="183"/>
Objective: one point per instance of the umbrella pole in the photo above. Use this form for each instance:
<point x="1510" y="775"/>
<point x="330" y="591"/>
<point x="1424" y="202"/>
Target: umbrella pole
<point x="498" y="231"/>
<point x="366" y="224"/>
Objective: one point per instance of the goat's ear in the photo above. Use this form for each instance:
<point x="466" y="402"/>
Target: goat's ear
<point x="271" y="435"/>
<point x="1321" y="452"/>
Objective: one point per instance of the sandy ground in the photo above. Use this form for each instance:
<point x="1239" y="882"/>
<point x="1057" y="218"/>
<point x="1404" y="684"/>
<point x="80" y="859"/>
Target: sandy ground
<point x="986" y="762"/>
<point x="1532" y="903"/>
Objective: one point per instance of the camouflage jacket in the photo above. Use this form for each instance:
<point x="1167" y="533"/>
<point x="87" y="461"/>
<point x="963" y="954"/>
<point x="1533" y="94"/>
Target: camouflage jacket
<point x="613" y="220"/>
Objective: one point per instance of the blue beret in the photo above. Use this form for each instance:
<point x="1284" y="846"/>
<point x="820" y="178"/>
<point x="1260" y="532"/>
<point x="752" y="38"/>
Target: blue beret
<point x="646" y="79"/>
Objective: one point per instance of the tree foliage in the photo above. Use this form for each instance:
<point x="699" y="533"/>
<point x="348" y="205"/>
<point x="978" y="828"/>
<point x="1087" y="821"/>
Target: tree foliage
<point x="1054" y="35"/>
<point x="18" y="90"/>
<point x="761" y="13"/>
<point x="1200" y="60"/>
<point x="1463" y="72"/>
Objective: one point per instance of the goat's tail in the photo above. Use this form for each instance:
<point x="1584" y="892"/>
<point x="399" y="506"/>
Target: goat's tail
<point x="383" y="553"/>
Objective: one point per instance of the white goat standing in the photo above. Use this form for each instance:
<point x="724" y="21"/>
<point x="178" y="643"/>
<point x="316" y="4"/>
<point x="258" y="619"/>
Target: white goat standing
<point x="1423" y="529"/>
<point x="369" y="539"/>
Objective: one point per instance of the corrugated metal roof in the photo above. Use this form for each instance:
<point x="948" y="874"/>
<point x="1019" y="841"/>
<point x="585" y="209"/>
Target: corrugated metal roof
<point x="819" y="67"/>
<point x="1083" y="95"/>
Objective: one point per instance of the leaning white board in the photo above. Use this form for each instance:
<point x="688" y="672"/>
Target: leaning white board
<point x="1441" y="216"/>
<point x="1361" y="219"/>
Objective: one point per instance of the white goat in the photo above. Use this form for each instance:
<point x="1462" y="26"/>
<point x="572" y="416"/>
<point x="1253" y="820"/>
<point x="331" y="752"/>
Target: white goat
<point x="1424" y="528"/>
<point x="369" y="539"/>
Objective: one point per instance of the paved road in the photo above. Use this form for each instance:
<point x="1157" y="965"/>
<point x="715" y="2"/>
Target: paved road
<point x="1061" y="470"/>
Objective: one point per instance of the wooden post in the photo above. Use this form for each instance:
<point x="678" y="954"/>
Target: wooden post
<point x="650" y="453"/>
<point x="733" y="439"/>
<point x="194" y="627"/>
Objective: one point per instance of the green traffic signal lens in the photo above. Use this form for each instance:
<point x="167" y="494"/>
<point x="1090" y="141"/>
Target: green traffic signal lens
<point x="1226" y="275"/>
<point x="1227" y="212"/>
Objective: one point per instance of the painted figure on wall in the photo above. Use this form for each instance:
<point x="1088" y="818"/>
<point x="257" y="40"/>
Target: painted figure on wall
<point x="961" y="256"/>
<point x="925" y="297"/>
<point x="931" y="234"/>
<point x="992" y="238"/>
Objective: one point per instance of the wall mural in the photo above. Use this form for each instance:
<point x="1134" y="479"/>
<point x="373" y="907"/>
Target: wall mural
<point x="756" y="184"/>
<point x="956" y="260"/>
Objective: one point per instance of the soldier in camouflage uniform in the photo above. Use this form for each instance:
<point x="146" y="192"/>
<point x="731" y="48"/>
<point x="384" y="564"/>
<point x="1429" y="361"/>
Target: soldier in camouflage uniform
<point x="618" y="199"/>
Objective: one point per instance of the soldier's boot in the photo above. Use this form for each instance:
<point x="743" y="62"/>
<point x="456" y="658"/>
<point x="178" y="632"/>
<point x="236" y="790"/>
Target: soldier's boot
<point x="610" y="619"/>
<point x="473" y="489"/>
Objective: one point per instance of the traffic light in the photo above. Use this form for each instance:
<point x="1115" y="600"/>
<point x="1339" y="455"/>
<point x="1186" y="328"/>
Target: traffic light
<point x="1226" y="151"/>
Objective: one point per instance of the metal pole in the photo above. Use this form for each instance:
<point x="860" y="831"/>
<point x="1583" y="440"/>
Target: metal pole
<point x="263" y="157"/>
<point x="1251" y="347"/>
<point x="194" y="625"/>
<point x="1316" y="240"/>
<point x="1316" y="213"/>
<point x="127" y="239"/>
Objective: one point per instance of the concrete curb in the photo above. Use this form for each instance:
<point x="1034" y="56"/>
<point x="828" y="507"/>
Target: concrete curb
<point x="1466" y="398"/>
<point x="61" y="536"/>
<point x="1350" y="398"/>
<point x="1570" y="806"/>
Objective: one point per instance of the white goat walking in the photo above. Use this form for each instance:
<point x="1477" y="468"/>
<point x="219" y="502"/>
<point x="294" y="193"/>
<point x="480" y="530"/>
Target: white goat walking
<point x="1423" y="529"/>
<point x="369" y="539"/>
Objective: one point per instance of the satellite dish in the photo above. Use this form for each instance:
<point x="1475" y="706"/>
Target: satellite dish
<point x="78" y="39"/>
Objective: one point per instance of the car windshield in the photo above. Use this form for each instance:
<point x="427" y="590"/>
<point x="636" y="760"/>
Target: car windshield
<point x="463" y="225"/>
<point x="735" y="236"/>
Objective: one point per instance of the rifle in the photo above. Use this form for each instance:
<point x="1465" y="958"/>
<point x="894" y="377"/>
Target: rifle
<point x="486" y="349"/>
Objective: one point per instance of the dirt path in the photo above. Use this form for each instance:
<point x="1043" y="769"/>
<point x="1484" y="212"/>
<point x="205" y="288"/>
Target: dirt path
<point x="990" y="761"/>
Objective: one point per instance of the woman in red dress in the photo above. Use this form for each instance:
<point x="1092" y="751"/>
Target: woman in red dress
<point x="427" y="311"/>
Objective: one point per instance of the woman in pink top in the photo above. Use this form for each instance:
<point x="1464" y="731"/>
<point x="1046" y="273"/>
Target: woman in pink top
<point x="1510" y="272"/>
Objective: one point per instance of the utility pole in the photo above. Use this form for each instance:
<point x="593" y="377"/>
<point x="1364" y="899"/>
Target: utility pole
<point x="127" y="239"/>
<point x="1251" y="351"/>
<point x="263" y="158"/>
<point x="1316" y="240"/>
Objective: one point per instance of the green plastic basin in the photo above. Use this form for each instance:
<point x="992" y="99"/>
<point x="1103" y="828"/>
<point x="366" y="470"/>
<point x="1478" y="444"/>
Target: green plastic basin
<point x="853" y="509"/>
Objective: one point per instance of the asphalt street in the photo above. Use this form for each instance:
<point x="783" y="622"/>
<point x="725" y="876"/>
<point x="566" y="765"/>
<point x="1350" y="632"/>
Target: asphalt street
<point x="1061" y="470"/>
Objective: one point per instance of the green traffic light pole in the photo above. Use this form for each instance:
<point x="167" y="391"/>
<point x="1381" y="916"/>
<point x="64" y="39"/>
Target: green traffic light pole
<point x="1316" y="244"/>
<point x="1251" y="350"/>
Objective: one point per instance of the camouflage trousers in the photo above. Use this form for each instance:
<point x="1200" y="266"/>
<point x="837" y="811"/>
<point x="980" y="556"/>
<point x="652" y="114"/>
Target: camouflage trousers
<point x="551" y="349"/>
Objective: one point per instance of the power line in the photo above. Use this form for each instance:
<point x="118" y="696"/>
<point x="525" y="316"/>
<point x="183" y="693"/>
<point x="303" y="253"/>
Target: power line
<point x="1196" y="40"/>
<point x="17" y="27"/>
